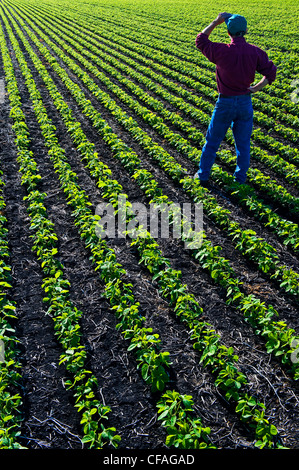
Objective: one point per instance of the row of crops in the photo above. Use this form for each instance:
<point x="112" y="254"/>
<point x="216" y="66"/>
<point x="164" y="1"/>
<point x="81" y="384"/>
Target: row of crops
<point x="110" y="101"/>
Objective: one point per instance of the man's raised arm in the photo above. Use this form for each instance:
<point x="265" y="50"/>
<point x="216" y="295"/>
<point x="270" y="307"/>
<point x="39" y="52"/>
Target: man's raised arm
<point x="219" y="20"/>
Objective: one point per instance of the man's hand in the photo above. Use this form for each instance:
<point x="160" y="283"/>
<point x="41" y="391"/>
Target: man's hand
<point x="252" y="89"/>
<point x="261" y="84"/>
<point x="222" y="17"/>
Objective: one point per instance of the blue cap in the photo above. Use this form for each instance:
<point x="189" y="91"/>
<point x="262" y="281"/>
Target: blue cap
<point x="236" y="23"/>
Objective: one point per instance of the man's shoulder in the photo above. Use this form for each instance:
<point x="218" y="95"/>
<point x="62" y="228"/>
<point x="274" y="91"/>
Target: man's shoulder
<point x="255" y="47"/>
<point x="204" y="38"/>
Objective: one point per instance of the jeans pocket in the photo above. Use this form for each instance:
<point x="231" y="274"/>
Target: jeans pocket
<point x="245" y="112"/>
<point x="224" y="111"/>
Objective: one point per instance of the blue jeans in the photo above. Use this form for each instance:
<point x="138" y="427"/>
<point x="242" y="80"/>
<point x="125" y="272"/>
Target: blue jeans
<point x="235" y="111"/>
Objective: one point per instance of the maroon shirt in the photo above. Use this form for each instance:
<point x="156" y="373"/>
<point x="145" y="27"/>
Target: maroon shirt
<point x="236" y="63"/>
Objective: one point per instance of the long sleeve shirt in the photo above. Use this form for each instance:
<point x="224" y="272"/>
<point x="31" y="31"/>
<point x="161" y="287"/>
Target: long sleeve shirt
<point x="236" y="63"/>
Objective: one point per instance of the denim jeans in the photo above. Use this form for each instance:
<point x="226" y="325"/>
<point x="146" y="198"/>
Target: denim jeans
<point x="237" y="112"/>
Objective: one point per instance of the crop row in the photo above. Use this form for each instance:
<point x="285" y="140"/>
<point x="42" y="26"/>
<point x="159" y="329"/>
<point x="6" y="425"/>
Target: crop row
<point x="278" y="163"/>
<point x="10" y="376"/>
<point x="253" y="247"/>
<point x="223" y="275"/>
<point x="172" y="56"/>
<point x="170" y="285"/>
<point x="188" y="53"/>
<point x="116" y="294"/>
<point x="130" y="161"/>
<point x="260" y="118"/>
<point x="142" y="22"/>
<point x="162" y="45"/>
<point x="153" y="365"/>
<point x="128" y="50"/>
<point x="285" y="229"/>
<point x="65" y="315"/>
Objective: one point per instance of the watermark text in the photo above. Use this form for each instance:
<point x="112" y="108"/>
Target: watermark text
<point x="180" y="221"/>
<point x="295" y="94"/>
<point x="2" y="351"/>
<point x="2" y="91"/>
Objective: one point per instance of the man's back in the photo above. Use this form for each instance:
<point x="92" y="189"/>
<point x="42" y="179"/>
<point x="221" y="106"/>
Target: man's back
<point x="236" y="63"/>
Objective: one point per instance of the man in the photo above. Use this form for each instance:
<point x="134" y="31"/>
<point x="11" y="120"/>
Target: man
<point x="236" y="64"/>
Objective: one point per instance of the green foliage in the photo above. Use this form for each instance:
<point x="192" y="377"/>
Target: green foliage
<point x="176" y="414"/>
<point x="163" y="78"/>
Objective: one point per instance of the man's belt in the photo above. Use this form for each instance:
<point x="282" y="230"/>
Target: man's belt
<point x="233" y="96"/>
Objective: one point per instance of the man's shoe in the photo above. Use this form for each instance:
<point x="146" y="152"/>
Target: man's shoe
<point x="204" y="183"/>
<point x="239" y="182"/>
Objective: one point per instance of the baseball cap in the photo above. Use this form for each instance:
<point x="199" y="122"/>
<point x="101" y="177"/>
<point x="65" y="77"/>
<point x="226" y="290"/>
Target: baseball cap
<point x="236" y="23"/>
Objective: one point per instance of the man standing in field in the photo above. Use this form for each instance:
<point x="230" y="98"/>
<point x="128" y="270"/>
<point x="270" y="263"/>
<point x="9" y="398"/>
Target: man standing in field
<point x="236" y="64"/>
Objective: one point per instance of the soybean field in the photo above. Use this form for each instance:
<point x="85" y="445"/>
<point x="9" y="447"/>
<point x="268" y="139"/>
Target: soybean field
<point x="137" y="340"/>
